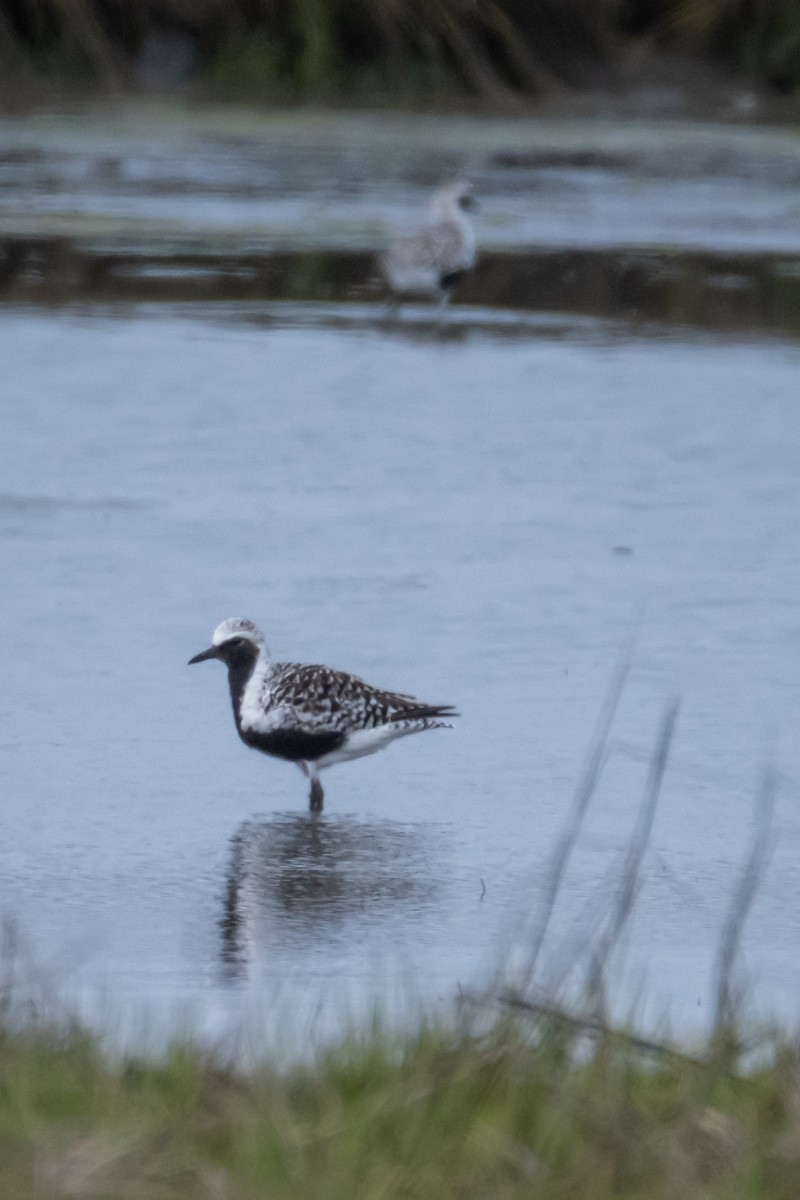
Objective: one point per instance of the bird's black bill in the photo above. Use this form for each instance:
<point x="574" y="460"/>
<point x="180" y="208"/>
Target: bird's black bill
<point x="212" y="652"/>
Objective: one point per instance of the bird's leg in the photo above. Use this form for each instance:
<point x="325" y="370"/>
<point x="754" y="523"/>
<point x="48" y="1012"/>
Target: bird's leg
<point x="441" y="309"/>
<point x="391" y="307"/>
<point x="316" y="796"/>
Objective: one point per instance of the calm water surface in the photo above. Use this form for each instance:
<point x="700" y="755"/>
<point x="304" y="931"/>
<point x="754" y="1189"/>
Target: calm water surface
<point x="481" y="519"/>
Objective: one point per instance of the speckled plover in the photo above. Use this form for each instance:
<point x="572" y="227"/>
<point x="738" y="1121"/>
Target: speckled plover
<point x="307" y="714"/>
<point x="431" y="262"/>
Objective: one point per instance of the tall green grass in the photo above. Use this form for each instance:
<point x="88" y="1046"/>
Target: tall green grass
<point x="530" y="1108"/>
<point x="758" y="37"/>
<point x="311" y="47"/>
<point x="377" y="49"/>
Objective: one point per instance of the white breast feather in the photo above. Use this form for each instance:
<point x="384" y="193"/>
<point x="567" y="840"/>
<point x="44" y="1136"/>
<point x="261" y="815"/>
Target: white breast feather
<point x="253" y="710"/>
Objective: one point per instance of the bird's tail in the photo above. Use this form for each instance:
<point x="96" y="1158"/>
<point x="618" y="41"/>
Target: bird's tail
<point x="426" y="713"/>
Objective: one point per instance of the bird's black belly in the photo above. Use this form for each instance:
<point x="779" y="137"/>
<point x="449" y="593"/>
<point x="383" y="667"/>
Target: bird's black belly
<point x="295" y="745"/>
<point x="450" y="279"/>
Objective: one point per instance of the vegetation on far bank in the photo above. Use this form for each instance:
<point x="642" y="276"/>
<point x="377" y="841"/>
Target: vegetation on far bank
<point x="373" y="50"/>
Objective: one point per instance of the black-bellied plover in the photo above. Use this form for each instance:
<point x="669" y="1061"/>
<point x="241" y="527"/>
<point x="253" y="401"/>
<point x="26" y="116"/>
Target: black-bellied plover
<point x="431" y="262"/>
<point x="310" y="715"/>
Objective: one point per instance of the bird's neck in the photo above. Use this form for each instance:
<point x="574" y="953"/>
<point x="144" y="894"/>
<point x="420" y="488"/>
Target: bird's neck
<point x="246" y="670"/>
<point x="445" y="211"/>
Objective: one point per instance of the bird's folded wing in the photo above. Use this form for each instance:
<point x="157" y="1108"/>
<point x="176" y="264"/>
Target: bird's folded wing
<point x="438" y="248"/>
<point x="319" y="698"/>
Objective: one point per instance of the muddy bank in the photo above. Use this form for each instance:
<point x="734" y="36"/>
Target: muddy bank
<point x="705" y="290"/>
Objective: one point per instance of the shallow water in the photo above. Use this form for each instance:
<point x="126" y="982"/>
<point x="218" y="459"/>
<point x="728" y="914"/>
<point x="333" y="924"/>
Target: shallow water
<point x="304" y="179"/>
<point x="483" y="518"/>
<point x="484" y="513"/>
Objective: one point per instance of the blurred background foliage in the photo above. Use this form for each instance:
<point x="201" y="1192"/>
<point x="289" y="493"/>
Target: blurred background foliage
<point x="370" y="49"/>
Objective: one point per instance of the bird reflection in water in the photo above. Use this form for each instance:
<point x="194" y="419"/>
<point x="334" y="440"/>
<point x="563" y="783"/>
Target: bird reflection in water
<point x="294" y="879"/>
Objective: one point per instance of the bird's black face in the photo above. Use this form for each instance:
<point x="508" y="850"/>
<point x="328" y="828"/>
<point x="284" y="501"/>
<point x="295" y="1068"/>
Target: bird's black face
<point x="236" y="652"/>
<point x="466" y="201"/>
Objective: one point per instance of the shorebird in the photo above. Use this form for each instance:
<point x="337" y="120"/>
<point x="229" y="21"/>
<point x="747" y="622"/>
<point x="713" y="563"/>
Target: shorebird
<point x="431" y="262"/>
<point x="308" y="714"/>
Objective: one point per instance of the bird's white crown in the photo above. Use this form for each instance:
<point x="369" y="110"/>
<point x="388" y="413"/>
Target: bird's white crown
<point x="235" y="627"/>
